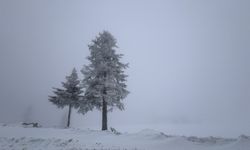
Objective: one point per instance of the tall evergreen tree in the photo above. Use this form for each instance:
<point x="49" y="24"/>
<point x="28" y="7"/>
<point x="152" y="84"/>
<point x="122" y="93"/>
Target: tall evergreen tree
<point x="70" y="95"/>
<point x="104" y="78"/>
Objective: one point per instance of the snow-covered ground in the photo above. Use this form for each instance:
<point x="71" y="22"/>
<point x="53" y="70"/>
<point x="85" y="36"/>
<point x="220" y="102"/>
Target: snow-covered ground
<point x="26" y="138"/>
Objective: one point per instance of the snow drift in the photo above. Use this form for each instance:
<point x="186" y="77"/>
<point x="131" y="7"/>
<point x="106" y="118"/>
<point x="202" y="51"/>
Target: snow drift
<point x="20" y="138"/>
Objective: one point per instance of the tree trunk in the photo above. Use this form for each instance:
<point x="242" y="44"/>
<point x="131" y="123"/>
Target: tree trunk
<point x="69" y="114"/>
<point x="104" y="115"/>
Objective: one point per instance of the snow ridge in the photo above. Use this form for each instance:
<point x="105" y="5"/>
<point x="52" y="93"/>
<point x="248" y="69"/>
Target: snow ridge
<point x="20" y="138"/>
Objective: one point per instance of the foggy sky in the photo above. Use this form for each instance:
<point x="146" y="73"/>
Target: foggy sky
<point x="189" y="62"/>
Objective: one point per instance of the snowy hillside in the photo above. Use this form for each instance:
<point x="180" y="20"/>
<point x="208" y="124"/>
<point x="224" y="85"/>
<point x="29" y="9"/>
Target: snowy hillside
<point x="21" y="138"/>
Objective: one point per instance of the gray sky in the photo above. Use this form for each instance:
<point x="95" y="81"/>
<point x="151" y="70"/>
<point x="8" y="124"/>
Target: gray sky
<point x="189" y="61"/>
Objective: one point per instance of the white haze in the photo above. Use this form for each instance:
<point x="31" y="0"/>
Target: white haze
<point x="189" y="62"/>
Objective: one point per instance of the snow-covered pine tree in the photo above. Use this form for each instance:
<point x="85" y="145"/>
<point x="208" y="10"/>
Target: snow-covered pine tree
<point x="70" y="95"/>
<point x="104" y="78"/>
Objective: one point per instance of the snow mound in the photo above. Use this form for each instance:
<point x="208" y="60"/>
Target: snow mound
<point x="209" y="140"/>
<point x="150" y="133"/>
<point x="242" y="143"/>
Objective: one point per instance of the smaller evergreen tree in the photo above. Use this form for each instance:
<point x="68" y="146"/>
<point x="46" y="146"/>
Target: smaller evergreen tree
<point x="70" y="95"/>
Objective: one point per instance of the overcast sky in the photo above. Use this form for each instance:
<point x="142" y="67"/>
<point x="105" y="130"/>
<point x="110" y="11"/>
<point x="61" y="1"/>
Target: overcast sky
<point x="189" y="62"/>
